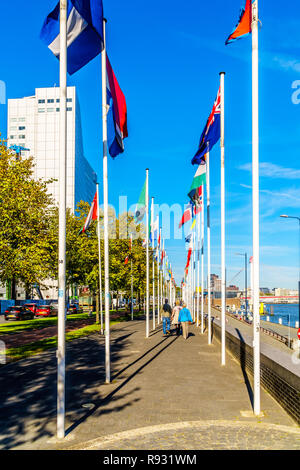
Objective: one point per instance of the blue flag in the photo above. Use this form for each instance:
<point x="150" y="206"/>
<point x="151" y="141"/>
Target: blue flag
<point x="84" y="32"/>
<point x="211" y="133"/>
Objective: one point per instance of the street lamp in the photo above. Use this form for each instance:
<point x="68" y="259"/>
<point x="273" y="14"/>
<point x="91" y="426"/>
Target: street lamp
<point x="298" y="218"/>
<point x="246" y="287"/>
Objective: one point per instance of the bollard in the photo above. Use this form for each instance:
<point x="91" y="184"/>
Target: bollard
<point x="297" y="324"/>
<point x="268" y="318"/>
<point x="2" y="353"/>
<point x="280" y="321"/>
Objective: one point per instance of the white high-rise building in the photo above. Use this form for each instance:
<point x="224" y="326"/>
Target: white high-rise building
<point x="33" y="123"/>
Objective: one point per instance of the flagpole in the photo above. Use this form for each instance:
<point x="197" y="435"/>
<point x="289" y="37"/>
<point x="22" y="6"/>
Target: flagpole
<point x="153" y="263"/>
<point x="202" y="262"/>
<point x="198" y="267"/>
<point x="255" y="202"/>
<point x="147" y="252"/>
<point x="194" y="273"/>
<point x="158" y="276"/>
<point x="208" y="246"/>
<point x="61" y="360"/>
<point x="105" y="204"/>
<point x="131" y="277"/>
<point x="170" y="287"/>
<point x="163" y="266"/>
<point x="99" y="259"/>
<point x="223" y="286"/>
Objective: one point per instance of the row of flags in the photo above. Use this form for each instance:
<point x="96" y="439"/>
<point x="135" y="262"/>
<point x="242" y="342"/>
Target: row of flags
<point x="85" y="40"/>
<point x="211" y="135"/>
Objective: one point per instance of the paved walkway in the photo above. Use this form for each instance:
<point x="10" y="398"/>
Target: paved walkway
<point x="247" y="328"/>
<point x="166" y="393"/>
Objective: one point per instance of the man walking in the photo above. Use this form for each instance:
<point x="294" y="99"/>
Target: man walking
<point x="165" y="313"/>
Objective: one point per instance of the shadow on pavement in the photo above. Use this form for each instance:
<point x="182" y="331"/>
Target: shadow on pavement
<point x="110" y="398"/>
<point x="28" y="388"/>
<point x="243" y="366"/>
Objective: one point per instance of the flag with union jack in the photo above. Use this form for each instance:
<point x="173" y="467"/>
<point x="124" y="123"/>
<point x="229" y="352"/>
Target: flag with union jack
<point x="211" y="133"/>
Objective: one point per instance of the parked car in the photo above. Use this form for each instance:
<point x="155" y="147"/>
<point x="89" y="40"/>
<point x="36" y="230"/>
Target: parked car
<point x="74" y="309"/>
<point x="19" y="313"/>
<point x="45" y="311"/>
<point x="54" y="306"/>
<point x="31" y="307"/>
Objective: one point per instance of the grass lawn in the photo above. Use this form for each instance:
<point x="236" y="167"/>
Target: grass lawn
<point x="36" y="347"/>
<point x="12" y="327"/>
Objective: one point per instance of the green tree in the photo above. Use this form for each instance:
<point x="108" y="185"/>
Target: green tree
<point x="25" y="216"/>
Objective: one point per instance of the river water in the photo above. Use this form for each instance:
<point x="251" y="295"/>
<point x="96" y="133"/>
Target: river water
<point x="289" y="313"/>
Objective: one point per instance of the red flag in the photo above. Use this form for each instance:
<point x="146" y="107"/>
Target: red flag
<point x="126" y="260"/>
<point x="162" y="257"/>
<point x="189" y="256"/>
<point x="187" y="215"/>
<point x="92" y="215"/>
<point x="244" y="25"/>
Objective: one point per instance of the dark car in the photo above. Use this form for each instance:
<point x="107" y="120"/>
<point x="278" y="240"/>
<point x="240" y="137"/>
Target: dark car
<point x="74" y="309"/>
<point x="18" y="313"/>
<point x="31" y="307"/>
<point x="45" y="311"/>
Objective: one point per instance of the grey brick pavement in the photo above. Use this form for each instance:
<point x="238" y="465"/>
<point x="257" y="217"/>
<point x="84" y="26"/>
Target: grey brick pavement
<point x="161" y="382"/>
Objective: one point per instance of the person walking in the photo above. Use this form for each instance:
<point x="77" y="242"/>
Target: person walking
<point x="165" y="314"/>
<point x="174" y="318"/>
<point x="185" y="318"/>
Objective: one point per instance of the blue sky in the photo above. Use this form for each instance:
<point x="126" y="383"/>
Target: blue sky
<point x="167" y="57"/>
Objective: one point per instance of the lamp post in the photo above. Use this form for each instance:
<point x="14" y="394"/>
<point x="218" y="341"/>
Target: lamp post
<point x="298" y="218"/>
<point x="246" y="286"/>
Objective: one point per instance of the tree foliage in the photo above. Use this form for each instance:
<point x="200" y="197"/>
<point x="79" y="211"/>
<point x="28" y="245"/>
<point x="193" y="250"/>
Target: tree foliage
<point x="29" y="236"/>
<point x="25" y="249"/>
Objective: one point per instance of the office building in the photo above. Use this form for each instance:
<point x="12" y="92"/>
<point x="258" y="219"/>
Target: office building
<point x="33" y="123"/>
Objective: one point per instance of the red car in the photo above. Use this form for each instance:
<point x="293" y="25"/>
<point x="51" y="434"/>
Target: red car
<point x="44" y="311"/>
<point x="31" y="307"/>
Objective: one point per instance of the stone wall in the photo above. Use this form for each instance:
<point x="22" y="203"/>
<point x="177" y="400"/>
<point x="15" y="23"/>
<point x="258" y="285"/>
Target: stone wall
<point x="281" y="381"/>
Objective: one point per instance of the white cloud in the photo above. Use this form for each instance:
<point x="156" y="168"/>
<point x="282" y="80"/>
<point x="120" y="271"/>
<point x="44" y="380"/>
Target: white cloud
<point x="287" y="63"/>
<point x="271" y="170"/>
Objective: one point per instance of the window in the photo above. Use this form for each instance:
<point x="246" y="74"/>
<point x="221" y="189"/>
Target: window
<point x="13" y="128"/>
<point x="69" y="100"/>
<point x="41" y="101"/>
<point x="22" y="136"/>
<point x="50" y="101"/>
<point x="58" y="100"/>
<point x="57" y="110"/>
<point x="13" y="120"/>
<point x="41" y="110"/>
<point x="22" y="119"/>
<point x="13" y="137"/>
<point x="22" y="128"/>
<point x="50" y="110"/>
<point x="69" y="109"/>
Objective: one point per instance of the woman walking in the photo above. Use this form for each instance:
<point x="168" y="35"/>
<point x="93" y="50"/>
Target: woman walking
<point x="175" y="315"/>
<point x="185" y="318"/>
